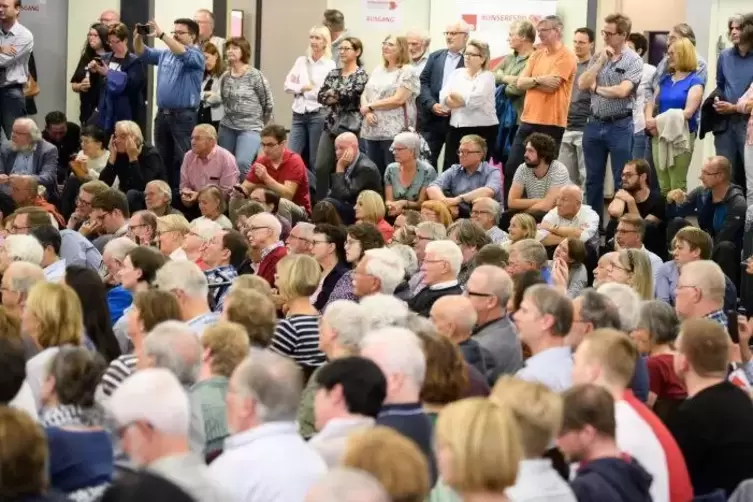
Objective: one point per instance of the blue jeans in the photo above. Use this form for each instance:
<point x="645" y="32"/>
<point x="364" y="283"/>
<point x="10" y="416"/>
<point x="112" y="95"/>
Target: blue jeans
<point x="600" y="141"/>
<point x="243" y="144"/>
<point x="731" y="144"/>
<point x="172" y="137"/>
<point x="379" y="153"/>
<point x="305" y="132"/>
<point x="12" y="107"/>
<point x="640" y="145"/>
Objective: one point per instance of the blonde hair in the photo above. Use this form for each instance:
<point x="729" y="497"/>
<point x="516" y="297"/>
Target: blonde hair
<point x="686" y="58"/>
<point x="614" y="351"/>
<point x="372" y="205"/>
<point x="440" y="209"/>
<point x="252" y="282"/>
<point x="57" y="309"/>
<point x="228" y="346"/>
<point x="536" y="409"/>
<point x="323" y="33"/>
<point x="527" y="223"/>
<point x="638" y="266"/>
<point x="483" y="48"/>
<point x="132" y="129"/>
<point x="403" y="54"/>
<point x="298" y="276"/>
<point x="173" y="223"/>
<point x="479" y="465"/>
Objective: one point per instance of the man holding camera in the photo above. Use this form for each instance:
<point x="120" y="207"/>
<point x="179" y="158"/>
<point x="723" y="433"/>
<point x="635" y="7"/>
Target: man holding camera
<point x="181" y="71"/>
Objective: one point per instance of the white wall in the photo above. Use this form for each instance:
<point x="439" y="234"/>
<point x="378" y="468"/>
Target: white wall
<point x="81" y="14"/>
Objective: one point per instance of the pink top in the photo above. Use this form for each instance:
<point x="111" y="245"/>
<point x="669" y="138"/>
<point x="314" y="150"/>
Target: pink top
<point x="748" y="96"/>
<point x="218" y="168"/>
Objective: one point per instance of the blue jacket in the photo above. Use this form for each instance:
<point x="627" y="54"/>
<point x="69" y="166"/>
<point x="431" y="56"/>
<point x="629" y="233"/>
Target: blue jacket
<point x="724" y="221"/>
<point x="613" y="480"/>
<point x="124" y="94"/>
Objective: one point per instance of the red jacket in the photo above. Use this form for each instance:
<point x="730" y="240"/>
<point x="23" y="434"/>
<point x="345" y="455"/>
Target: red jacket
<point x="268" y="265"/>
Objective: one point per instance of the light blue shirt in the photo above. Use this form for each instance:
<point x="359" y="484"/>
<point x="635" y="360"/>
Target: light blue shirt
<point x="179" y="77"/>
<point x="24" y="163"/>
<point x="450" y="64"/>
<point x="201" y="322"/>
<point x="666" y="282"/>
<point x="55" y="272"/>
<point x="76" y="249"/>
<point x="552" y="367"/>
<point x="457" y="181"/>
<point x="269" y="463"/>
<point x="14" y="68"/>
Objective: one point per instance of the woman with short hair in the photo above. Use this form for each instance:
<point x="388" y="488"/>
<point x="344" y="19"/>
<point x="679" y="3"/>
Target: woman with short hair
<point x="406" y="179"/>
<point x="212" y="206"/>
<point x="171" y="233"/>
<point x="370" y="209"/>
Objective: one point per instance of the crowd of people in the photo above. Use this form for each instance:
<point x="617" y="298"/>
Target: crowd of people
<point x="235" y="311"/>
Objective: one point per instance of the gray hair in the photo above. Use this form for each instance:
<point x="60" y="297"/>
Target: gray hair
<point x="307" y="228"/>
<point x="550" y="301"/>
<point x="23" y="276"/>
<point x="448" y="251"/>
<point x="410" y="140"/>
<point x="599" y="310"/>
<point x="627" y="301"/>
<point x="408" y="256"/>
<point x="433" y="230"/>
<point x="174" y="346"/>
<point x="384" y="311"/>
<point x="119" y="247"/>
<point x="397" y="350"/>
<point x="387" y="266"/>
<point x="530" y="250"/>
<point x="34" y="133"/>
<point x="273" y="381"/>
<point x="708" y="277"/>
<point x="556" y="21"/>
<point x="419" y="33"/>
<point x="498" y="282"/>
<point x="183" y="275"/>
<point x="20" y="247"/>
<point x="163" y="188"/>
<point x="494" y="207"/>
<point x="660" y="320"/>
<point x="346" y="319"/>
<point x="347" y="485"/>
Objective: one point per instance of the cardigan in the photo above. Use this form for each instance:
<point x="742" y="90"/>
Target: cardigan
<point x="268" y="265"/>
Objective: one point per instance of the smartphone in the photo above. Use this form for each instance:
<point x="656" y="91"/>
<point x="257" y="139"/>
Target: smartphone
<point x="97" y="59"/>
<point x="142" y="29"/>
<point x="239" y="189"/>
<point x="732" y="327"/>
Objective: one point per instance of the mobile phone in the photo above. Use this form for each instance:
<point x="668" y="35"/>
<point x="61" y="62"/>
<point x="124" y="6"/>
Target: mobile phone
<point x="142" y="29"/>
<point x="732" y="327"/>
<point x="239" y="189"/>
<point x="97" y="59"/>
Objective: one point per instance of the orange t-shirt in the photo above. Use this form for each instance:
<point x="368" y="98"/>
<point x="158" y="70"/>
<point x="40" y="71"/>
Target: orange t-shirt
<point x="549" y="109"/>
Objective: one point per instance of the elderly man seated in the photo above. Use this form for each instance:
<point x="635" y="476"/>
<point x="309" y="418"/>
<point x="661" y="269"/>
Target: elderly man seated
<point x="263" y="234"/>
<point x="486" y="212"/>
<point x="27" y="153"/>
<point x="158" y="197"/>
<point x="570" y="218"/>
<point x="25" y="193"/>
<point x="379" y="271"/>
<point x="529" y="254"/>
<point x="441" y="265"/>
<point x="301" y="239"/>
<point x="473" y="178"/>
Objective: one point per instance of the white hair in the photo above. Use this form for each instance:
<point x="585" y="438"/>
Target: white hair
<point x="396" y="350"/>
<point x="493" y="205"/>
<point x="421" y="33"/>
<point x="345" y="484"/>
<point x="497" y="282"/>
<point x="24" y="275"/>
<point x="183" y="275"/>
<point x="408" y="255"/>
<point x="347" y="320"/>
<point x="34" y="133"/>
<point x="409" y="140"/>
<point x="626" y="300"/>
<point x="205" y="228"/>
<point x="268" y="220"/>
<point x="119" y="247"/>
<point x="164" y="189"/>
<point x="275" y="382"/>
<point x="307" y="228"/>
<point x="708" y="277"/>
<point x="173" y="345"/>
<point x="155" y="396"/>
<point x="385" y="265"/>
<point x="20" y="247"/>
<point x="384" y="311"/>
<point x="448" y="251"/>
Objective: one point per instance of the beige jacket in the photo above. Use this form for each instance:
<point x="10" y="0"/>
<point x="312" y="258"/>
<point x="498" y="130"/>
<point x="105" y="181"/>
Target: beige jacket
<point x="673" y="138"/>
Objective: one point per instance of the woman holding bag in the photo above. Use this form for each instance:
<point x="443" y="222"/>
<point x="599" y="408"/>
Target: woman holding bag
<point x="304" y="81"/>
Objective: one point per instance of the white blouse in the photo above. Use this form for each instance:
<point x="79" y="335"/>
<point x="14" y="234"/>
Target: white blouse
<point x="477" y="92"/>
<point x="307" y="71"/>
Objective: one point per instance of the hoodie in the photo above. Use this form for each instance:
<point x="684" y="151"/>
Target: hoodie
<point x="613" y="480"/>
<point x="723" y="221"/>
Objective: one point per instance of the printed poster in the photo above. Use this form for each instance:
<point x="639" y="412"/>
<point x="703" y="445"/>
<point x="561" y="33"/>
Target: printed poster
<point x="382" y="13"/>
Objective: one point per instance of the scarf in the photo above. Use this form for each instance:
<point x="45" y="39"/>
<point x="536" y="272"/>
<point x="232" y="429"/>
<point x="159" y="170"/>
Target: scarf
<point x="71" y="415"/>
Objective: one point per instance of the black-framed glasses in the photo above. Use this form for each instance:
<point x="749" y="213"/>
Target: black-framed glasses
<point x="462" y="152"/>
<point x="468" y="292"/>
<point x="608" y="34"/>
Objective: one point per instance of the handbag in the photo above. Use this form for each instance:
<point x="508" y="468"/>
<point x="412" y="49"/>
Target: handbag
<point x="31" y="88"/>
<point x="424" y="150"/>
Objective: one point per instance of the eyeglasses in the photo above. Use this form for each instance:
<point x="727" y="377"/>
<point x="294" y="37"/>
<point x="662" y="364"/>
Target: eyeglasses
<point x="706" y="173"/>
<point x="433" y="261"/>
<point x="315" y="242"/>
<point x="134" y="227"/>
<point x="462" y="152"/>
<point x="292" y="237"/>
<point x="180" y="33"/>
<point x="471" y="55"/>
<point x="629" y="175"/>
<point x="252" y="228"/>
<point x="608" y="34"/>
<point x="453" y="33"/>
<point x="625" y="231"/>
<point x="346" y="49"/>
<point x="477" y="293"/>
<point x="479" y="212"/>
<point x="351" y="242"/>
<point x="14" y="229"/>
<point x="618" y="264"/>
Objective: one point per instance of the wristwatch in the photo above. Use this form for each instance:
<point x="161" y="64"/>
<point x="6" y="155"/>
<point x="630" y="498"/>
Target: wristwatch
<point x="161" y="35"/>
<point x="535" y="81"/>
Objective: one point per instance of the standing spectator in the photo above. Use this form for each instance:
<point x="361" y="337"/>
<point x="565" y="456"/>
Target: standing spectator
<point x="734" y="74"/>
<point x="17" y="42"/>
<point x="109" y="17"/>
<point x="334" y="21"/>
<point x="86" y="84"/>
<point x="303" y="81"/>
<point x="205" y="19"/>
<point x="181" y="70"/>
<point x="613" y="78"/>
<point x="418" y="47"/>
<point x="388" y="101"/>
<point x="205" y="164"/>
<point x="65" y="136"/>
<point x="548" y="81"/>
<point x="247" y="100"/>
<point x="435" y="118"/>
<point x="211" y="110"/>
<point x="469" y="95"/>
<point x="677" y="102"/>
<point x="28" y="154"/>
<point x="678" y="32"/>
<point x="571" y="148"/>
<point x="639" y="44"/>
<point x="124" y="83"/>
<point x="341" y="94"/>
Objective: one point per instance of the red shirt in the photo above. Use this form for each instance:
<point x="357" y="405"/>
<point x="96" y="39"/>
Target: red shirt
<point x="386" y="230"/>
<point x="292" y="169"/>
<point x="680" y="488"/>
<point x="662" y="378"/>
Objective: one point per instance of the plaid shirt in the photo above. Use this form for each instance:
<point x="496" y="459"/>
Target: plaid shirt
<point x="718" y="316"/>
<point x="628" y="67"/>
<point x="225" y="273"/>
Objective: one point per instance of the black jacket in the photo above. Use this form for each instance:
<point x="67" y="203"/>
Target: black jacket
<point x="480" y="358"/>
<point x="724" y="221"/>
<point x="431" y="78"/>
<point x="710" y="120"/>
<point x="613" y="480"/>
<point x="135" y="175"/>
<point x="364" y="175"/>
<point x="424" y="300"/>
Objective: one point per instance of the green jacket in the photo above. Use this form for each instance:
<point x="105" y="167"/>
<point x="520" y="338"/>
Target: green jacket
<point x="512" y="65"/>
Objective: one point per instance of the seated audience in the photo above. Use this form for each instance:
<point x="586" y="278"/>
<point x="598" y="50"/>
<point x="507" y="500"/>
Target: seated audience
<point x="630" y="233"/>
<point x="54" y="267"/>
<point x="436" y="211"/>
<point x="350" y="394"/>
<point x="65" y="136"/>
<point x="142" y="228"/>
<point x="485" y="213"/>
<point x="354" y="173"/>
<point x="158" y="197"/>
<point x="329" y="252"/>
<point x="440" y="266"/>
<point x="716" y="445"/>
<point x="700" y="292"/>
<point x="361" y="237"/>
<point x="78" y="217"/>
<point x="589" y="436"/>
<point x="17" y="280"/>
<point x="270" y="201"/>
<point x="200" y="232"/>
<point x="212" y="206"/>
<point x="224" y="256"/>
<point x="406" y="179"/>
<point x="591" y="311"/>
<point x="110" y="213"/>
<point x="492" y="254"/>
<point x="263" y="236"/>
<point x="522" y="226"/>
<point x="24" y="190"/>
<point x="380" y="271"/>
<point x="118" y="297"/>
<point x="568" y="267"/>
<point x="528" y="254"/>
<point x="426" y="231"/>
<point x="206" y="163"/>
<point x="85" y="166"/>
<point x="19" y="247"/>
<point x="253" y="310"/>
<point x="470" y="238"/>
<point x="189" y="285"/>
<point x="537" y="182"/>
<point x="28" y="153"/>
<point x="133" y="162"/>
<point x="301" y="239"/>
<point x="370" y="209"/>
<point x="543" y="319"/>
<point x="345" y="483"/>
<point x="172" y="231"/>
<point x="570" y="218"/>
<point x="632" y="268"/>
<point x="460" y="185"/>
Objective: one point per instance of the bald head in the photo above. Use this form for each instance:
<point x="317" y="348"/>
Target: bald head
<point x="572" y="191"/>
<point x="720" y="164"/>
<point x="454" y="317"/>
<point x="109" y="17"/>
<point x="347" y="139"/>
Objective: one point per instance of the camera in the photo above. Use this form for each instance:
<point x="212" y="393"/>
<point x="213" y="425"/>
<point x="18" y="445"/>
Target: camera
<point x="142" y="29"/>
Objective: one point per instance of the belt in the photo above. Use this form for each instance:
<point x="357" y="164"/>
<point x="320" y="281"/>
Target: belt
<point x="13" y="86"/>
<point x="613" y="118"/>
<point x="174" y="111"/>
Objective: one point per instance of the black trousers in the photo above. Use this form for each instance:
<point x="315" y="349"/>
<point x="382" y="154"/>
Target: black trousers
<point x="518" y="148"/>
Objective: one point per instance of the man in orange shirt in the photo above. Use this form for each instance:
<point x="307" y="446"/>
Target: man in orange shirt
<point x="548" y="79"/>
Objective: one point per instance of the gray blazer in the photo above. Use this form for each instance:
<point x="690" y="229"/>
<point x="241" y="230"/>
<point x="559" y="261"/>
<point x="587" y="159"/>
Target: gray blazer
<point x="45" y="164"/>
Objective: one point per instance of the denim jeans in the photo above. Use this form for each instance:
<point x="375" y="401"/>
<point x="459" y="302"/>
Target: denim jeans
<point x="640" y="145"/>
<point x="12" y="107"/>
<point x="731" y="144"/>
<point x="600" y="141"/>
<point x="305" y="131"/>
<point x="243" y="144"/>
<point x="379" y="153"/>
<point x="172" y="137"/>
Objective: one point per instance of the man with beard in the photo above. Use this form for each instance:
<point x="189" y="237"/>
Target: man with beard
<point x="538" y="181"/>
<point x="636" y="198"/>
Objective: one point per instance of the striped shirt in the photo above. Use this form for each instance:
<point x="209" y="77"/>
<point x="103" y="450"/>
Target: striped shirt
<point x="537" y="188"/>
<point x="119" y="369"/>
<point x="297" y="337"/>
<point x="247" y="100"/>
<point x="628" y="67"/>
